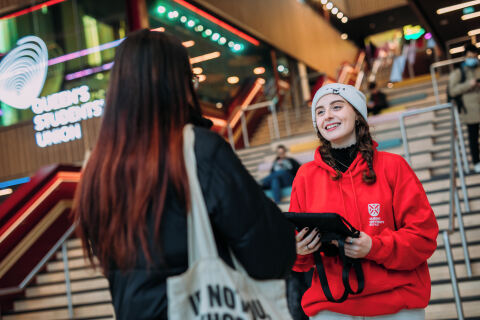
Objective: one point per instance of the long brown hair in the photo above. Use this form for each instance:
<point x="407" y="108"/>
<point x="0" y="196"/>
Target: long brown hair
<point x="139" y="149"/>
<point x="365" y="147"/>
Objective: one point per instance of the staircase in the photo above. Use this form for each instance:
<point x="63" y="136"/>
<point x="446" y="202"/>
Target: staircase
<point x="429" y="146"/>
<point x="429" y="142"/>
<point x="46" y="297"/>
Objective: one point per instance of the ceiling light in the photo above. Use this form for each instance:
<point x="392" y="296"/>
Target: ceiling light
<point x="219" y="105"/>
<point x="199" y="28"/>
<point x="259" y="70"/>
<point x="344" y="19"/>
<point x="183" y="19"/>
<point x="190" y="23"/>
<point x="237" y="47"/>
<point x="6" y="192"/>
<point x="473" y="32"/>
<point x="329" y="6"/>
<point x="208" y="32"/>
<point x="261" y="81"/>
<point x="335" y="10"/>
<point x="281" y="68"/>
<point x="215" y="36"/>
<point x="344" y="36"/>
<point x="324" y="1"/>
<point x="197" y="70"/>
<point x="173" y="14"/>
<point x="477" y="44"/>
<point x="457" y="50"/>
<point x="188" y="44"/>
<point x="340" y="15"/>
<point x="458" y="6"/>
<point x="205" y="57"/>
<point x="161" y="9"/>
<point x="202" y="77"/>
<point x="222" y="40"/>
<point x="471" y="15"/>
<point x="233" y="80"/>
<point x="429" y="51"/>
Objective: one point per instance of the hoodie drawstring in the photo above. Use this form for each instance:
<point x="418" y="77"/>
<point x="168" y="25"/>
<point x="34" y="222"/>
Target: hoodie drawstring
<point x="355" y="199"/>
<point x="357" y="216"/>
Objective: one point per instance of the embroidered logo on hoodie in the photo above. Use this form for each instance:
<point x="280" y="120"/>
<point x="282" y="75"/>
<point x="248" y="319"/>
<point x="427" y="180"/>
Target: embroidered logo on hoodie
<point x="374" y="211"/>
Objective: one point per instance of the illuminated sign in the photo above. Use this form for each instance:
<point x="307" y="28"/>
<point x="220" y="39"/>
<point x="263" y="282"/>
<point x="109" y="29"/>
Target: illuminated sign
<point x="23" y="72"/>
<point x="58" y="115"/>
<point x="412" y="32"/>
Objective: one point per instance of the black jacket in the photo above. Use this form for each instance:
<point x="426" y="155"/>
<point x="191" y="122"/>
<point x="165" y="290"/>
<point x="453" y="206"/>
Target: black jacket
<point x="242" y="217"/>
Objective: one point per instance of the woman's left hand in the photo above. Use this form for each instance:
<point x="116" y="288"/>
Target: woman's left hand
<point x="358" y="247"/>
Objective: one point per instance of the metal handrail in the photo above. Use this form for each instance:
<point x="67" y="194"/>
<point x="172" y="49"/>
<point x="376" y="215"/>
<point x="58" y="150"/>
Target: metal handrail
<point x="40" y="265"/>
<point x="454" y="147"/>
<point x="434" y="66"/>
<point x="271" y="105"/>
<point x="453" y="275"/>
<point x="454" y="198"/>
<point x="454" y="159"/>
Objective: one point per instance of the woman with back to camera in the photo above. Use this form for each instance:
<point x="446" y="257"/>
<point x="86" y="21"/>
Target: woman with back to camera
<point x="131" y="202"/>
<point x="380" y="195"/>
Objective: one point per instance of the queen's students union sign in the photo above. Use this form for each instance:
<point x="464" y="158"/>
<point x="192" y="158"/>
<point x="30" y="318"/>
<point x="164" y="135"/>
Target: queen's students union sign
<point x="57" y="117"/>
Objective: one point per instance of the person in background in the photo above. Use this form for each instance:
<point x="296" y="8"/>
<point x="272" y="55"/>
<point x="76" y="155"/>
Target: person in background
<point x="131" y="203"/>
<point x="377" y="99"/>
<point x="282" y="173"/>
<point x="464" y="83"/>
<point x="380" y="195"/>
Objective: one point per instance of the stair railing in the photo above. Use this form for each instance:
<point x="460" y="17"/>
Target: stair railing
<point x="433" y="73"/>
<point x="271" y="105"/>
<point x="454" y="201"/>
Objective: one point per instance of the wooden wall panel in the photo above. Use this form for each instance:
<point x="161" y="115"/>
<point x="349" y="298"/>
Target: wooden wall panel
<point x="20" y="156"/>
<point x="292" y="26"/>
<point x="360" y="8"/>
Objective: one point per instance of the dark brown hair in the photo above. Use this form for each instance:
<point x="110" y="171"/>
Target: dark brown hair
<point x="365" y="147"/>
<point x="139" y="149"/>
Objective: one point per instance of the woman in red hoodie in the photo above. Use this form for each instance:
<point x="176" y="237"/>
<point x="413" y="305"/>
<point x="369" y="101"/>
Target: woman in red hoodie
<point x="380" y="195"/>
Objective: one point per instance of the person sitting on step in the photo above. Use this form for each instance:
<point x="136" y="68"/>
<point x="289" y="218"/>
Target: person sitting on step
<point x="282" y="173"/>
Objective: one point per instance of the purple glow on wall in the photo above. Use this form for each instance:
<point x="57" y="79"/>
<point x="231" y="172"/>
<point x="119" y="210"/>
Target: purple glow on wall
<point x="84" y="52"/>
<point x="89" y="71"/>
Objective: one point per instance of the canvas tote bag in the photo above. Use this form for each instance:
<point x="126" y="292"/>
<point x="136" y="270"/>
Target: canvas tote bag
<point x="210" y="289"/>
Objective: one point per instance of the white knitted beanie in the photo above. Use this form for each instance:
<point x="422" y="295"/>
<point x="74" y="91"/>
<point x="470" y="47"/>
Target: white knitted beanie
<point x="354" y="96"/>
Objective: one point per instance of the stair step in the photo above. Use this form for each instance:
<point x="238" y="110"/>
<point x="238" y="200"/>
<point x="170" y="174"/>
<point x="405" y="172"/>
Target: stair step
<point x="59" y="288"/>
<point x="103" y="309"/>
<point x="449" y="311"/>
<point x="72" y="264"/>
<point x="80" y="274"/>
<point x="61" y="300"/>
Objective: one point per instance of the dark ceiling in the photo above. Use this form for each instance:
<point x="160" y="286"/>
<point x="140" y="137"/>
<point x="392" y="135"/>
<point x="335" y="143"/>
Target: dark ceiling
<point x="446" y="26"/>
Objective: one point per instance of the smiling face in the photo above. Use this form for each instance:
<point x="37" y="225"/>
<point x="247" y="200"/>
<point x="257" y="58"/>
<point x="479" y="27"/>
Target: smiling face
<point x="335" y="119"/>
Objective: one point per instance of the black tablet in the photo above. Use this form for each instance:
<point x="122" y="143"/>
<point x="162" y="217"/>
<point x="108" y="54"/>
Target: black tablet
<point x="327" y="222"/>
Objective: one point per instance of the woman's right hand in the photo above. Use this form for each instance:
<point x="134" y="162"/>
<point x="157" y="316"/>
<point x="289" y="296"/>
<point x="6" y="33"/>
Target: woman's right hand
<point x="308" y="244"/>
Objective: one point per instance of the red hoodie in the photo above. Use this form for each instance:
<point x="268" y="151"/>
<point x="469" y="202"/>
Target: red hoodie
<point x="394" y="212"/>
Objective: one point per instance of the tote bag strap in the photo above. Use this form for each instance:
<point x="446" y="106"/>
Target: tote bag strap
<point x="201" y="243"/>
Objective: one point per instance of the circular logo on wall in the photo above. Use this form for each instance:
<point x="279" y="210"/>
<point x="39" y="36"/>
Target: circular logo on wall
<point x="23" y="72"/>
